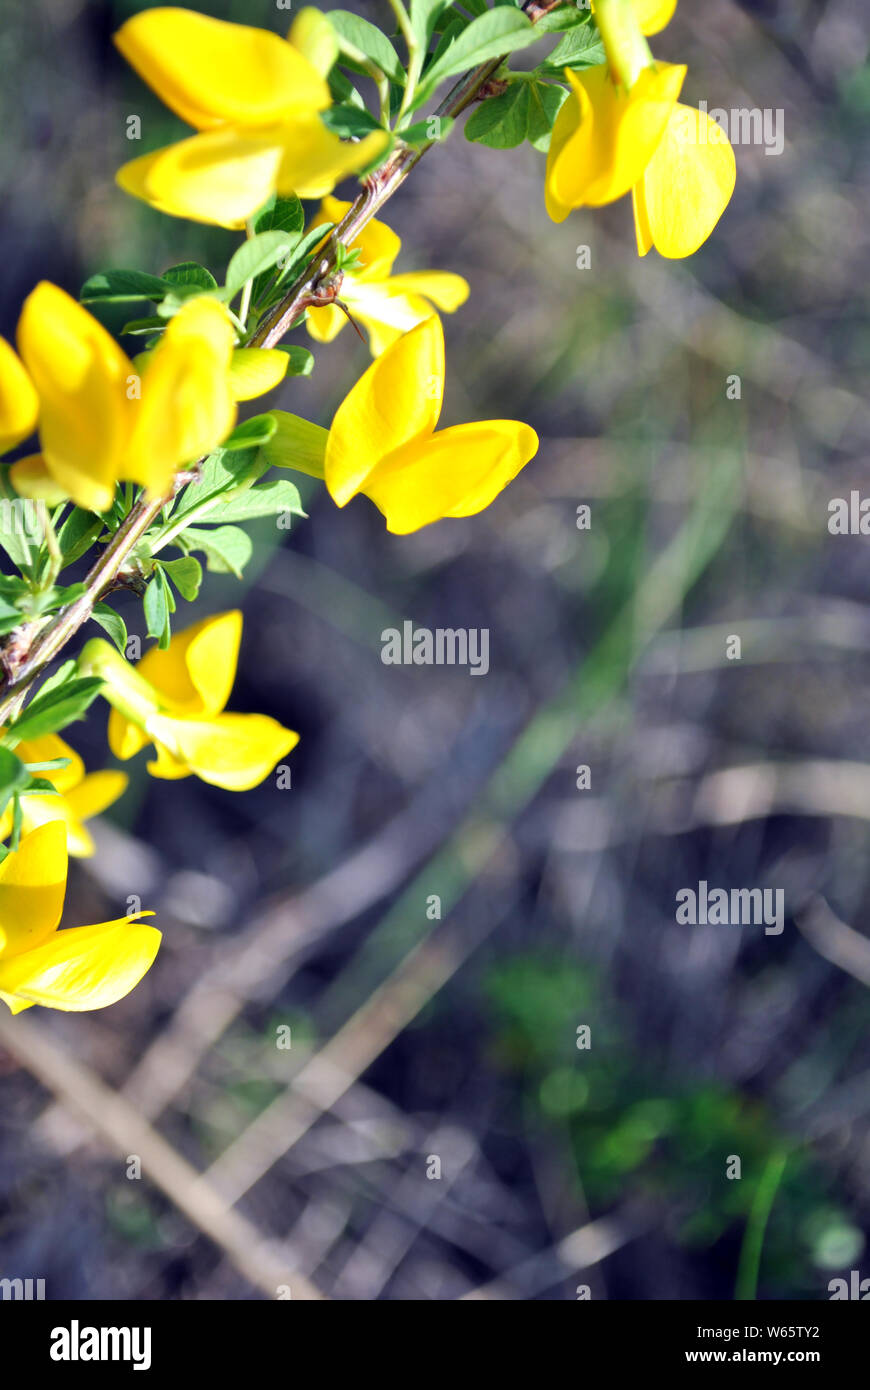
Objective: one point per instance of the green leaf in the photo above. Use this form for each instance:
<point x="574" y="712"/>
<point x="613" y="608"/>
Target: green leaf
<point x="120" y="286"/>
<point x="191" y="273"/>
<point x="349" y="122"/>
<point x="54" y="708"/>
<point x="64" y="672"/>
<point x="112" y="623"/>
<point x="255" y="256"/>
<point x="78" y="533"/>
<point x="545" y="102"/>
<point x="501" y="122"/>
<point x="296" y="444"/>
<point x="301" y="360"/>
<point x="156" y="607"/>
<point x="220" y="472"/>
<point x="251" y="433"/>
<point x="563" y="18"/>
<point x="424" y="17"/>
<point x="370" y="41"/>
<point x="13" y="776"/>
<point x="227" y="549"/>
<point x="581" y="48"/>
<point x="136" y="327"/>
<point x="20" y="532"/>
<point x="294" y="267"/>
<point x="491" y="35"/>
<point x="280" y="214"/>
<point x="186" y="575"/>
<point x="432" y="128"/>
<point x="178" y="297"/>
<point x="267" y="499"/>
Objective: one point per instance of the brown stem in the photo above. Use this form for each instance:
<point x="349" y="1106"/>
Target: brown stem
<point x="31" y="648"/>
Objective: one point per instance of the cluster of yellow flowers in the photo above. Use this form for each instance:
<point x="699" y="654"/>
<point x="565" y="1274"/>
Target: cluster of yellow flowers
<point x="622" y="130"/>
<point x="256" y="101"/>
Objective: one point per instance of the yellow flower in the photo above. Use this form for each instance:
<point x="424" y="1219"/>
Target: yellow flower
<point x="175" y="699"/>
<point x="77" y="969"/>
<point x="99" y="421"/>
<point x="623" y="128"/>
<point x="605" y="135"/>
<point x="685" y="187"/>
<point x="255" y="98"/>
<point x="383" y="442"/>
<point x="387" y="305"/>
<point x="80" y="796"/>
<point x="19" y="403"/>
<point x="652" y="15"/>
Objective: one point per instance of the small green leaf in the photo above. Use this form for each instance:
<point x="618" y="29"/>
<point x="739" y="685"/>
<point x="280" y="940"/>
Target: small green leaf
<point x="54" y="708"/>
<point x="350" y="122"/>
<point x="432" y="128"/>
<point x="191" y="273"/>
<point x="255" y="256"/>
<point x="136" y="327"/>
<point x="301" y="360"/>
<point x="227" y="549"/>
<point x="112" y="623"/>
<point x="251" y="433"/>
<point x="424" y="17"/>
<point x="280" y="214"/>
<point x="580" y="48"/>
<point x="501" y="122"/>
<point x="267" y="499"/>
<point x="492" y="35"/>
<point x="369" y="40"/>
<point x="156" y="607"/>
<point x="220" y="472"/>
<point x="13" y="776"/>
<point x="186" y="575"/>
<point x="545" y="103"/>
<point x="120" y="286"/>
<point x="78" y="533"/>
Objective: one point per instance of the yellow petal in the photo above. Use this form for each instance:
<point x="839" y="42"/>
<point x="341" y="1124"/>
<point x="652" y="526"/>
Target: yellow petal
<point x="233" y="751"/>
<point x="377" y="243"/>
<point x="446" y="290"/>
<point x="81" y="968"/>
<point x="19" y="403"/>
<point x="32" y="888"/>
<point x="187" y="407"/>
<point x="315" y="38"/>
<point x="315" y="160"/>
<point x="96" y="792"/>
<point x="392" y="307"/>
<point x="456" y="473"/>
<point x="571" y="136"/>
<point x="654" y="15"/>
<point x="603" y="142"/>
<point x="93" y="794"/>
<point x="126" y="739"/>
<point x="32" y="477"/>
<point x="398" y="399"/>
<point x="212" y="73"/>
<point x="325" y="324"/>
<point x="195" y="674"/>
<point x="82" y="377"/>
<point x="686" y="186"/>
<point x="254" y="371"/>
<point x="221" y="177"/>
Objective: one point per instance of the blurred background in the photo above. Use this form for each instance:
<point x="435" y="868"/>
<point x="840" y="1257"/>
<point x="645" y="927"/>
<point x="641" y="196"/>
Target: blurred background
<point x="435" y="907"/>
